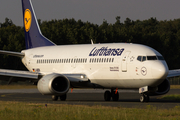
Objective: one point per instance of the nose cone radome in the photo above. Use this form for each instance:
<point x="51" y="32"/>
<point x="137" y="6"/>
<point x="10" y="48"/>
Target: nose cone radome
<point x="160" y="70"/>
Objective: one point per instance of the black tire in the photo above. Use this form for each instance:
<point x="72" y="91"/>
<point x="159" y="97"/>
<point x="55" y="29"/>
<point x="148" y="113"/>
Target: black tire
<point x="63" y="97"/>
<point x="54" y="97"/>
<point x="115" y="97"/>
<point x="107" y="95"/>
<point x="147" y="98"/>
<point x="142" y="98"/>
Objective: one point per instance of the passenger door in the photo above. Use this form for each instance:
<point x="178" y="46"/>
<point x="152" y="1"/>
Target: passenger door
<point x="124" y="61"/>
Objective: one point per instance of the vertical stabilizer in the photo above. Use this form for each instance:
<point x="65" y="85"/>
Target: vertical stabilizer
<point x="33" y="35"/>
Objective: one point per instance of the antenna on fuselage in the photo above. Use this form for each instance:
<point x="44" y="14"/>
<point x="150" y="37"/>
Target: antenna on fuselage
<point x="92" y="42"/>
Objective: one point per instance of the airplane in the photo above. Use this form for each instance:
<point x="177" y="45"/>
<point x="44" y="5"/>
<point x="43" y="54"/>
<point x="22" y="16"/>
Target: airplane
<point x="57" y="68"/>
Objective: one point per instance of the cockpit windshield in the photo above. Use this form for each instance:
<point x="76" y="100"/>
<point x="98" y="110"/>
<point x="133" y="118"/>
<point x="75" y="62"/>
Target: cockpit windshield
<point x="151" y="58"/>
<point x="145" y="58"/>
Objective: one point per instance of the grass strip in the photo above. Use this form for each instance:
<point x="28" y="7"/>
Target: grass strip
<point x="175" y="86"/>
<point x="32" y="111"/>
<point x="175" y="97"/>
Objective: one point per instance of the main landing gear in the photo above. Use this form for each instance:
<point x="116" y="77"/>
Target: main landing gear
<point x="62" y="97"/>
<point x="113" y="94"/>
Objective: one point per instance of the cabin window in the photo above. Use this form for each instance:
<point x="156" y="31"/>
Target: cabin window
<point x="81" y="60"/>
<point x="71" y="60"/>
<point x="95" y="60"/>
<point x="99" y="60"/>
<point x="104" y="59"/>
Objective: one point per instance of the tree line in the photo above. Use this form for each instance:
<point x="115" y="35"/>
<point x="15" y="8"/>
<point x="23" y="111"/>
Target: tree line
<point x="164" y="36"/>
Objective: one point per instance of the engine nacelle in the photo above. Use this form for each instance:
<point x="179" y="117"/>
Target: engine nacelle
<point x="53" y="84"/>
<point x="161" y="89"/>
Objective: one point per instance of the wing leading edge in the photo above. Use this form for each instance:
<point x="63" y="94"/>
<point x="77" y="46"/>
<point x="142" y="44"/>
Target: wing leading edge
<point x="17" y="75"/>
<point x="173" y="73"/>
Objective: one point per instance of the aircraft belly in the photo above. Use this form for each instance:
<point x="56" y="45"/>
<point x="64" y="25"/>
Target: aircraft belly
<point x="124" y="83"/>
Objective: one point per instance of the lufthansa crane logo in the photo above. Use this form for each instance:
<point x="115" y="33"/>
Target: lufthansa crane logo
<point x="143" y="71"/>
<point x="27" y="19"/>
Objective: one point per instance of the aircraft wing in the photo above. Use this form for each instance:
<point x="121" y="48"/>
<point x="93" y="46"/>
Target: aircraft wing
<point x="76" y="77"/>
<point x="174" y="73"/>
<point x="15" y="75"/>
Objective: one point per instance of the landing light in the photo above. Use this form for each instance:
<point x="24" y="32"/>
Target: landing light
<point x="82" y="76"/>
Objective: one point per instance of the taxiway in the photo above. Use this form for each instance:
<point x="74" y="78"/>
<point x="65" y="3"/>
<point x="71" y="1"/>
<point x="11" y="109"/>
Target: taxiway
<point x="128" y="99"/>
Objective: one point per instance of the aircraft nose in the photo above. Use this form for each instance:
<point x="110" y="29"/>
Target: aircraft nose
<point x="160" y="70"/>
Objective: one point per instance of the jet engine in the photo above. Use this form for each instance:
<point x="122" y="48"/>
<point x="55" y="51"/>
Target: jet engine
<point x="53" y="84"/>
<point x="161" y="89"/>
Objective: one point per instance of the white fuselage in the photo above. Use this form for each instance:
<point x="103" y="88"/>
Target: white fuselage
<point x="108" y="65"/>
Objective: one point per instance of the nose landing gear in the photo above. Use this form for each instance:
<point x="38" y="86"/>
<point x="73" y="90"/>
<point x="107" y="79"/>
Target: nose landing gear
<point x="144" y="98"/>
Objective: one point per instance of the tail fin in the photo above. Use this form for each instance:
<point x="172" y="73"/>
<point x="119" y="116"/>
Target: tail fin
<point x="33" y="35"/>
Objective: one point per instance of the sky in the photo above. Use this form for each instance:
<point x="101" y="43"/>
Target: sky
<point x="94" y="11"/>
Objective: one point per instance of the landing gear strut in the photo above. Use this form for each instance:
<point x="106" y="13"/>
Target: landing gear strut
<point x="62" y="97"/>
<point x="113" y="94"/>
<point x="144" y="98"/>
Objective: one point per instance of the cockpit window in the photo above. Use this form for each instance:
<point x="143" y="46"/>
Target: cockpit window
<point x="141" y="58"/>
<point x="144" y="58"/>
<point x="160" y="57"/>
<point x="151" y="58"/>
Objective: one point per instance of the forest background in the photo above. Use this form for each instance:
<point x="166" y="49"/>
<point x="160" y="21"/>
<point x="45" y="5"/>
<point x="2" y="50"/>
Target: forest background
<point x="164" y="36"/>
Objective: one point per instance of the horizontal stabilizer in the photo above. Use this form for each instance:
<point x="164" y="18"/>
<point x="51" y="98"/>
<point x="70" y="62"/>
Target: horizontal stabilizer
<point x="17" y="54"/>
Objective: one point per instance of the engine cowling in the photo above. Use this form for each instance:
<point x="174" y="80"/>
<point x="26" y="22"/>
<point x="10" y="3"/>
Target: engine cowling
<point x="53" y="84"/>
<point x="161" y="89"/>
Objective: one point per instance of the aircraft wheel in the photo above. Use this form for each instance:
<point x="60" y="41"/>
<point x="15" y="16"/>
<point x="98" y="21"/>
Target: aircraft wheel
<point x="54" y="97"/>
<point x="107" y="95"/>
<point x="144" y="98"/>
<point x="63" y="97"/>
<point x="115" y="97"/>
<point x="147" y="98"/>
